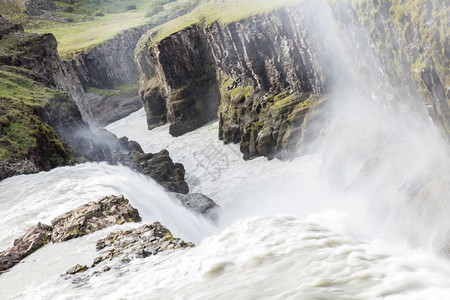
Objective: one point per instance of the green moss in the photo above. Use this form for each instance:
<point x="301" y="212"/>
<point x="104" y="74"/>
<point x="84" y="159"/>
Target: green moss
<point x="81" y="25"/>
<point x="76" y="231"/>
<point x="21" y="131"/>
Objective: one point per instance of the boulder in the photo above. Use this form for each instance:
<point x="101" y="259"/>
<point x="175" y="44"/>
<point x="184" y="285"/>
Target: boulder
<point x="93" y="216"/>
<point x="33" y="239"/>
<point x="127" y="245"/>
<point x="198" y="203"/>
<point x="158" y="166"/>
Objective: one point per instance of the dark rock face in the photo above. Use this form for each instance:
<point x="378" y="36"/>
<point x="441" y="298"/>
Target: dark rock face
<point x="179" y="83"/>
<point x="113" y="107"/>
<point x="93" y="216"/>
<point x="263" y="70"/>
<point x="275" y="71"/>
<point x="160" y="167"/>
<point x="110" y="63"/>
<point x="129" y="244"/>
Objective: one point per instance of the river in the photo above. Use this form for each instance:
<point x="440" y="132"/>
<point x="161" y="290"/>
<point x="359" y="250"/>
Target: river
<point x="284" y="233"/>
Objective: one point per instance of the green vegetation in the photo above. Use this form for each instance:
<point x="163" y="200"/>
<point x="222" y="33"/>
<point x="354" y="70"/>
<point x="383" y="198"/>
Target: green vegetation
<point x="85" y="24"/>
<point x="223" y="11"/>
<point x="21" y="131"/>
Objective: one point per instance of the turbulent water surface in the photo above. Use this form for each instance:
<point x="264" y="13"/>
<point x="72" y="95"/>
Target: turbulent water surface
<point x="284" y="233"/>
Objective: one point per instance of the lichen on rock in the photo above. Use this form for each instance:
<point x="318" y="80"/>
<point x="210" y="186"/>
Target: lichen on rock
<point x="88" y="218"/>
<point x="93" y="216"/>
<point x="130" y="244"/>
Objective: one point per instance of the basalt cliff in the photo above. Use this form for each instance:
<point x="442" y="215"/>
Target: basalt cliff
<point x="267" y="76"/>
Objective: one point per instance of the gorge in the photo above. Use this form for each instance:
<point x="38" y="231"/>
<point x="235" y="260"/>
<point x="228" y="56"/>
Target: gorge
<point x="320" y="128"/>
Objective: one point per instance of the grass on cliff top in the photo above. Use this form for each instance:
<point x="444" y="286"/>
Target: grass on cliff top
<point x="84" y="24"/>
<point x="223" y="11"/>
<point x="73" y="37"/>
<point x="24" y="90"/>
<point x="20" y="128"/>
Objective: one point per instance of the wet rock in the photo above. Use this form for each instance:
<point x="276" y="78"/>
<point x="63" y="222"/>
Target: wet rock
<point x="275" y="70"/>
<point x="10" y="168"/>
<point x="114" y="106"/>
<point x="93" y="216"/>
<point x="76" y="269"/>
<point x="33" y="239"/>
<point x="139" y="242"/>
<point x="160" y="167"/>
<point x="198" y="203"/>
<point x="126" y="245"/>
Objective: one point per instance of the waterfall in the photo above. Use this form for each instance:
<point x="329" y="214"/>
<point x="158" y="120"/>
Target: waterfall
<point x="367" y="218"/>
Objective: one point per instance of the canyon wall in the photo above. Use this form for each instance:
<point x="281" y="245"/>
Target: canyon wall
<point x="42" y="127"/>
<point x="269" y="75"/>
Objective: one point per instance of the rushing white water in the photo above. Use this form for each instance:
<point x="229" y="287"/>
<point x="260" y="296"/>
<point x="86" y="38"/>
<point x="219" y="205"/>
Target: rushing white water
<point x="351" y="255"/>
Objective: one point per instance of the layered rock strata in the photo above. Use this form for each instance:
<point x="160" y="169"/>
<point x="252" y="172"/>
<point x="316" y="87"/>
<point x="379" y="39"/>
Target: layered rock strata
<point x="273" y="72"/>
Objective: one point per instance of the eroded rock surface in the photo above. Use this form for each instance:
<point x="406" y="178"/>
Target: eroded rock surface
<point x="127" y="245"/>
<point x="275" y="70"/>
<point x="160" y="167"/>
<point x="93" y="216"/>
<point x="33" y="239"/>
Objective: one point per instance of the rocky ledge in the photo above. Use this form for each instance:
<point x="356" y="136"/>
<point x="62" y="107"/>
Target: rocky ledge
<point x="126" y="245"/>
<point x="159" y="166"/>
<point x="107" y="211"/>
<point x="93" y="216"/>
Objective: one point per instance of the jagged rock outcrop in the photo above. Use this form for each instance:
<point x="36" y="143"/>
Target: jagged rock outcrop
<point x="274" y="71"/>
<point x="158" y="166"/>
<point x="93" y="216"/>
<point x="27" y="143"/>
<point x="40" y="127"/>
<point x="263" y="70"/>
<point x="129" y="244"/>
<point x="33" y="239"/>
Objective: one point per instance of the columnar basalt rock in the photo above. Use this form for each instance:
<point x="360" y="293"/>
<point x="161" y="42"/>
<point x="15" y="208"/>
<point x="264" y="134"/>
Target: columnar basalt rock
<point x="273" y="71"/>
<point x="250" y="66"/>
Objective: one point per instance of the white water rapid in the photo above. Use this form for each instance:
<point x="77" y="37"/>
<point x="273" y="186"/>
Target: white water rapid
<point x="366" y="219"/>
